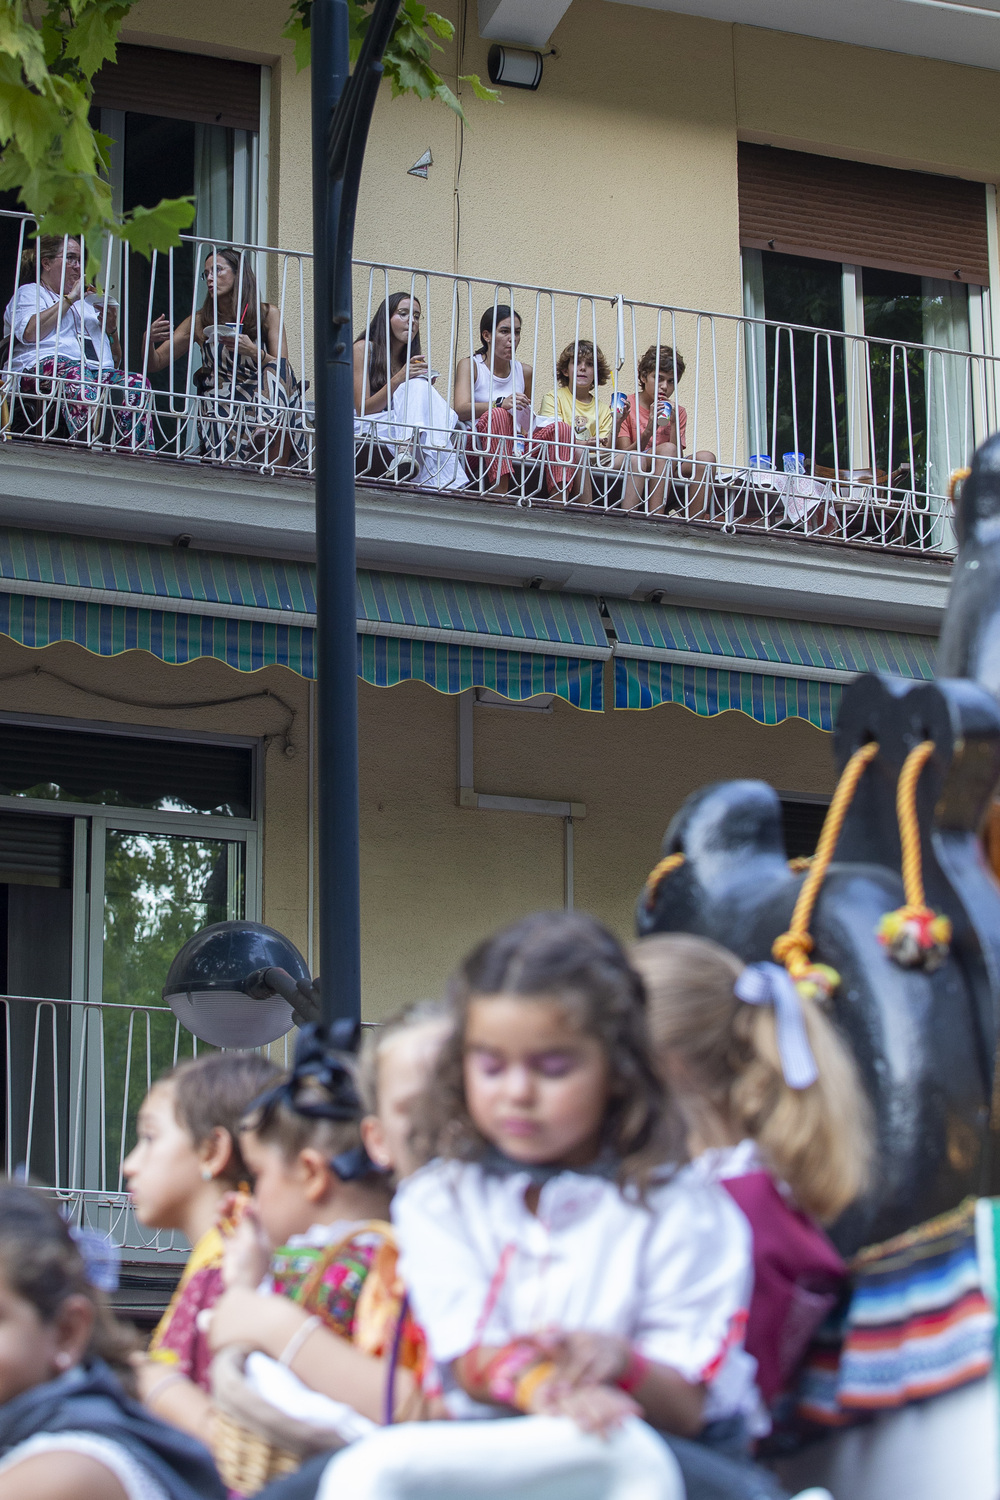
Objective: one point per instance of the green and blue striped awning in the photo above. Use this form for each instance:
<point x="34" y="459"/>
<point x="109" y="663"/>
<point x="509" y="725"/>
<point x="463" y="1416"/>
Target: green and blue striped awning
<point x="770" y="669"/>
<point x="180" y="604"/>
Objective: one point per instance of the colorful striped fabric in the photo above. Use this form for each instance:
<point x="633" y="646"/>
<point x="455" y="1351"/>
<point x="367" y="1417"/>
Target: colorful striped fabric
<point x="918" y="1324"/>
<point x="764" y="638"/>
<point x="249" y="645"/>
<point x="707" y="691"/>
<point x="387" y="660"/>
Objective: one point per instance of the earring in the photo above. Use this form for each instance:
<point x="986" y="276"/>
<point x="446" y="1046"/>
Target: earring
<point x="206" y="1174"/>
<point x="63" y="1360"/>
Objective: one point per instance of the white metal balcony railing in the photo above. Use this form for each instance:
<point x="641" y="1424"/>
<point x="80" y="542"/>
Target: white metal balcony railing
<point x="74" y="1076"/>
<point x="869" y="430"/>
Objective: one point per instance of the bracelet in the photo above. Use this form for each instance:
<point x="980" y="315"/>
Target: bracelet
<point x="507" y="1367"/>
<point x="161" y="1385"/>
<point x="297" y="1339"/>
<point x="499" y="401"/>
<point x="634" y="1373"/>
<point x="530" y="1381"/>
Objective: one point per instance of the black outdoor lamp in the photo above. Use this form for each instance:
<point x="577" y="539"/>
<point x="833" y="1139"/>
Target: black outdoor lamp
<point x="240" y="984"/>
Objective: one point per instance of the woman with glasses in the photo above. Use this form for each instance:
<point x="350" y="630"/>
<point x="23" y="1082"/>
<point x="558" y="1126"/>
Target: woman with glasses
<point x="251" y="408"/>
<point x="64" y="345"/>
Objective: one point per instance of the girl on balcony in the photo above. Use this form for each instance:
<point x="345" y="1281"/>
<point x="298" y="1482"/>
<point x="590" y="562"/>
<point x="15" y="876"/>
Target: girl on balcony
<point x="64" y="354"/>
<point x="403" y="428"/>
<point x="493" y="395"/>
<point x="251" y="408"/>
<point x="69" y="1426"/>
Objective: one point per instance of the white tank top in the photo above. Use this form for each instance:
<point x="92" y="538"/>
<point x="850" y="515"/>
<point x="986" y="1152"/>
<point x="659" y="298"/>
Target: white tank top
<point x="489" y="386"/>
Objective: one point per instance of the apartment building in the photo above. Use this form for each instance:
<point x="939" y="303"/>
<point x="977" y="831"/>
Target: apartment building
<point x="802" y="207"/>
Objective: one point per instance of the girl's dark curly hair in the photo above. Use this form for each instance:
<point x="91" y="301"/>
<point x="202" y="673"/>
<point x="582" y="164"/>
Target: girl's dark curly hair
<point x="568" y="957"/>
<point x="41" y="1263"/>
<point x="583" y="349"/>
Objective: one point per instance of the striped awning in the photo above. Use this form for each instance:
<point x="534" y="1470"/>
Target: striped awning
<point x="770" y="669"/>
<point x="180" y="604"/>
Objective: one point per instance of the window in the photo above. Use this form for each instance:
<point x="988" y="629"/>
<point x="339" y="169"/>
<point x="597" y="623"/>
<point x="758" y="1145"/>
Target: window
<point x="182" y="124"/>
<point x="890" y="270"/>
<point x="802" y="822"/>
<point x="114" y="850"/>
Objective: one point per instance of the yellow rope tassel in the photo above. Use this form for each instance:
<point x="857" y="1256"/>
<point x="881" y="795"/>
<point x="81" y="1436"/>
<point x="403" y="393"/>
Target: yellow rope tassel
<point x="659" y="872"/>
<point x="792" y="948"/>
<point x="915" y="936"/>
<point x="958" y="477"/>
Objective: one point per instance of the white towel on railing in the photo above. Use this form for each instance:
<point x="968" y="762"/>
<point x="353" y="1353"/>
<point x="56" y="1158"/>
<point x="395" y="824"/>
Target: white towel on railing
<point x="419" y="413"/>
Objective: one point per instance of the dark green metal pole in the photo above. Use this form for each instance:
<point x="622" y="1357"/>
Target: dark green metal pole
<point x="342" y="107"/>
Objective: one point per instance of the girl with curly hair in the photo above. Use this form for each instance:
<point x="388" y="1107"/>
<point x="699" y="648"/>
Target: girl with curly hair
<point x="559" y="1258"/>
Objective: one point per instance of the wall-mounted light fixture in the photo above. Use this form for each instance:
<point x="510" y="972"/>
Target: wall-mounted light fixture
<point x="514" y="67"/>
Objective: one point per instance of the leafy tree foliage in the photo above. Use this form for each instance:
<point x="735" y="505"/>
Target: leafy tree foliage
<point x="50" y="51"/>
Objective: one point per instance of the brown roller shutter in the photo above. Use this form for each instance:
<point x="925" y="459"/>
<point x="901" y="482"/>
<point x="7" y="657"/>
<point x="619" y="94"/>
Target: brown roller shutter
<point x="182" y="86"/>
<point x="820" y="206"/>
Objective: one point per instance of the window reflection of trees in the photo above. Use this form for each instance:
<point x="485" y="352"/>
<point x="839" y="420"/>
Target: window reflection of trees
<point x="159" y="890"/>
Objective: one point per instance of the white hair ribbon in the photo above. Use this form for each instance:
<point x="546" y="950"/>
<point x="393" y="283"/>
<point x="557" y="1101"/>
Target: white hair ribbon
<point x="770" y="984"/>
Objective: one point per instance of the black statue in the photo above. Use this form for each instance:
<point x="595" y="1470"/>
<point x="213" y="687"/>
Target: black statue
<point x="925" y="1041"/>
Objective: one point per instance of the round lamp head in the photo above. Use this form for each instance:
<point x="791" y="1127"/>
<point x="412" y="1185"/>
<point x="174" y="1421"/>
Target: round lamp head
<point x="204" y="987"/>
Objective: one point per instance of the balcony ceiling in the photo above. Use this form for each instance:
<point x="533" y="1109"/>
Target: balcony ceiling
<point x="952" y="32"/>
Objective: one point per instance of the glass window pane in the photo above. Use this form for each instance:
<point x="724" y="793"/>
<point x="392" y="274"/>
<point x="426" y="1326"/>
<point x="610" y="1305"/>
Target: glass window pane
<point x="806" y="388"/>
<point x="159" y="889"/>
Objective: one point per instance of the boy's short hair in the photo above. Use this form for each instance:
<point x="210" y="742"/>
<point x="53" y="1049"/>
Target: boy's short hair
<point x="214" y="1091"/>
<point x="664" y="356"/>
<point x="584" y="348"/>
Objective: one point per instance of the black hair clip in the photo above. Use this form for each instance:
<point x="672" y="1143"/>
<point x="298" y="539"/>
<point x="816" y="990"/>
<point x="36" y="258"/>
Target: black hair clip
<point x="320" y="1086"/>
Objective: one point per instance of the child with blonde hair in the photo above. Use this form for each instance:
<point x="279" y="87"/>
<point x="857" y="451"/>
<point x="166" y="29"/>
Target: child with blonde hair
<point x="775" y="1112"/>
<point x="397" y="1059"/>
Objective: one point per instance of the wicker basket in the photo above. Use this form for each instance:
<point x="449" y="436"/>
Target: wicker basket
<point x="246" y="1460"/>
<point x="253" y="1442"/>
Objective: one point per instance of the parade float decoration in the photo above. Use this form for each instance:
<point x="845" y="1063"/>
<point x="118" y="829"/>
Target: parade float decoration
<point x="894" y="925"/>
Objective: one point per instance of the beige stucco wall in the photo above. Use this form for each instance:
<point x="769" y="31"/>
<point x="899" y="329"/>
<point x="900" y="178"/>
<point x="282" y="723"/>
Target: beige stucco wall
<point x="436" y="878"/>
<point x="619" y="174"/>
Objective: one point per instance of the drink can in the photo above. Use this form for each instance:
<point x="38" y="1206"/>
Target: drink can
<point x="793" y="463"/>
<point x="665" y="410"/>
<point x="619" y="401"/>
<point x="760" y="461"/>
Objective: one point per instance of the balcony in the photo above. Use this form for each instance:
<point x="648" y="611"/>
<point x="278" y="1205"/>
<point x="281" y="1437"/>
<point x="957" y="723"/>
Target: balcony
<point x="799" y="446"/>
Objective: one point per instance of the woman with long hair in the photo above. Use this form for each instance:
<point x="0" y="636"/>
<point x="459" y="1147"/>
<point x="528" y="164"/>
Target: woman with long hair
<point x="64" y="344"/>
<point x="493" y="395"/>
<point x="405" y="427"/>
<point x="251" y="402"/>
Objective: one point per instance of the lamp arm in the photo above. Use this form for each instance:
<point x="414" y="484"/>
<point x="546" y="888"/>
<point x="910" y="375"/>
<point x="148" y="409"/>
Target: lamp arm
<point x="301" y="994"/>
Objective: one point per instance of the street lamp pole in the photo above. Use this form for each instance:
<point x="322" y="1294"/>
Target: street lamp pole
<point x="342" y="105"/>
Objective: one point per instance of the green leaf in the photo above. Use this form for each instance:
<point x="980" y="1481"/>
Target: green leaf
<point x="480" y="89"/>
<point x="159" y="228"/>
<point x="92" y="40"/>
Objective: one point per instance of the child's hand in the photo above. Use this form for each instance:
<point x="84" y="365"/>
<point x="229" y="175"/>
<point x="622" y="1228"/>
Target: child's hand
<point x="594" y="1408"/>
<point x="584" y="1359"/>
<point x="247" y="1254"/>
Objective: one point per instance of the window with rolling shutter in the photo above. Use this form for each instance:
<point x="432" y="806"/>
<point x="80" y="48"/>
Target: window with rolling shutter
<point x="125" y="771"/>
<point x="181" y="86"/>
<point x="798" y="203"/>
